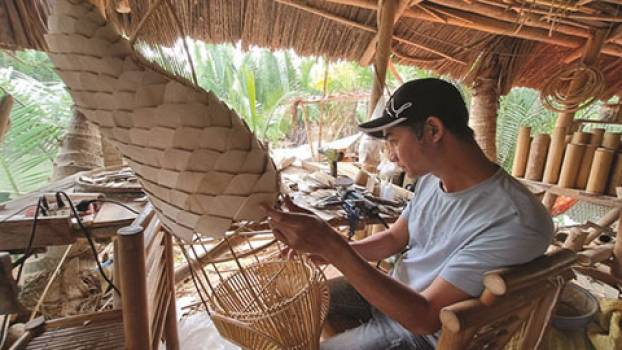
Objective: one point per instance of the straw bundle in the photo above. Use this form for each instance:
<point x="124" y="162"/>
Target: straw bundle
<point x="272" y="305"/>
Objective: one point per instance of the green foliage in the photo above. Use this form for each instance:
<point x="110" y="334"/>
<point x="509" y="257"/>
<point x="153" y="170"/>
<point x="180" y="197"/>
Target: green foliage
<point x="40" y="113"/>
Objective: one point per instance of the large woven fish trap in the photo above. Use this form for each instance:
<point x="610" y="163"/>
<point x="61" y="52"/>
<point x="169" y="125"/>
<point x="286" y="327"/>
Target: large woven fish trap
<point x="272" y="305"/>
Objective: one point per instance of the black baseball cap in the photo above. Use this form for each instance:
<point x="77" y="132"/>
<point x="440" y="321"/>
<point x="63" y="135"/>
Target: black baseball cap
<point x="418" y="99"/>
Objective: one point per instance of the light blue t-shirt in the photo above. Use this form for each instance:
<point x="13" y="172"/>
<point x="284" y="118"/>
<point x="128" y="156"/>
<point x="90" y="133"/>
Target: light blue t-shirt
<point x="459" y="236"/>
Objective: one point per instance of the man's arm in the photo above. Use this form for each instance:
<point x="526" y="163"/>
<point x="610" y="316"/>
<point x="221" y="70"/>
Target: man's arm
<point x="383" y="244"/>
<point x="418" y="313"/>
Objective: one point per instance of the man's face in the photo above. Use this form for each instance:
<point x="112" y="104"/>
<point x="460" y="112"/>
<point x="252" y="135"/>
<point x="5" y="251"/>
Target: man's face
<point x="408" y="151"/>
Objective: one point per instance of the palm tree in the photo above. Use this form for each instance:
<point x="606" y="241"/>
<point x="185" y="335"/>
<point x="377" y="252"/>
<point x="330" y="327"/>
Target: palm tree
<point x="39" y="114"/>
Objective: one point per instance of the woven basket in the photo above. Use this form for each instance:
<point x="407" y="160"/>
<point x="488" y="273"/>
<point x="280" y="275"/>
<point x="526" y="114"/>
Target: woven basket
<point x="272" y="305"/>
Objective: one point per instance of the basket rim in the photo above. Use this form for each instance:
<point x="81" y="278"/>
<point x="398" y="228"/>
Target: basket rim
<point x="315" y="277"/>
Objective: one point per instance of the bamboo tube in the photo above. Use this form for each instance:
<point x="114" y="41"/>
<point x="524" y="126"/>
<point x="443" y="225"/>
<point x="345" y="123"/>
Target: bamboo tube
<point x="575" y="240"/>
<point x="611" y="140"/>
<point x="554" y="156"/>
<point x="615" y="177"/>
<point x="522" y="152"/>
<point x="567" y="139"/>
<point x="134" y="284"/>
<point x="586" y="165"/>
<point x="537" y="156"/>
<point x="570" y="165"/>
<point x="597" y="181"/>
<point x="593" y="255"/>
<point x="581" y="138"/>
<point x="596" y="137"/>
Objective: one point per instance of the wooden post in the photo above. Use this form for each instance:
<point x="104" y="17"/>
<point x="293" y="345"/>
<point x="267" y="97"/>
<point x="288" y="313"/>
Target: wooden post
<point x="590" y="55"/>
<point x="616" y="269"/>
<point x="116" y="274"/>
<point x="134" y="288"/>
<point x="383" y="49"/>
<point x="170" y="327"/>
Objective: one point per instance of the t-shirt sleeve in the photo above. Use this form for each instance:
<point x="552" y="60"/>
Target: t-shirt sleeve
<point x="495" y="248"/>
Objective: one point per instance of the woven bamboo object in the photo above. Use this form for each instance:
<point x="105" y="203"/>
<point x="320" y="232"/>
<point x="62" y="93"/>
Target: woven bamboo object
<point x="272" y="305"/>
<point x="197" y="160"/>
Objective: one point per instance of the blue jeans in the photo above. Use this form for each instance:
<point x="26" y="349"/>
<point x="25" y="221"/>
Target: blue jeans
<point x="375" y="332"/>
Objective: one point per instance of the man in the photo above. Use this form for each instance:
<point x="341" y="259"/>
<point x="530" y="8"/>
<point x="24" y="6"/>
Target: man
<point x="467" y="216"/>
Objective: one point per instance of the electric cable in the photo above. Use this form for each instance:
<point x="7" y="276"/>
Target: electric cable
<point x="121" y="204"/>
<point x="89" y="238"/>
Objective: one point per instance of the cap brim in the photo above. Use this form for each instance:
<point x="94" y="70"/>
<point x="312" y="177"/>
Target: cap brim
<point x="377" y="127"/>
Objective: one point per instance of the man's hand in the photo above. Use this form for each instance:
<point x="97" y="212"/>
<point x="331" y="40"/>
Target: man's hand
<point x="303" y="231"/>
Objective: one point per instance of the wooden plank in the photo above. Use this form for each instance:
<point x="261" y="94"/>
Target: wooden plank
<point x="603" y="200"/>
<point x="15" y="234"/>
<point x="80" y="320"/>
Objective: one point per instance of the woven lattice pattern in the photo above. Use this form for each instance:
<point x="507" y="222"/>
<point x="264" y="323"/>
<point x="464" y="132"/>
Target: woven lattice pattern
<point x="199" y="163"/>
<point x="272" y="305"/>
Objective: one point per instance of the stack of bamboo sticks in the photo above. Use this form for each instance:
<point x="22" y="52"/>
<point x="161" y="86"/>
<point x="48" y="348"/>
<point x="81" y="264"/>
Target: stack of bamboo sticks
<point x="589" y="161"/>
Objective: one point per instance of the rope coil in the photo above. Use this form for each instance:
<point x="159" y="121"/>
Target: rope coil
<point x="557" y="96"/>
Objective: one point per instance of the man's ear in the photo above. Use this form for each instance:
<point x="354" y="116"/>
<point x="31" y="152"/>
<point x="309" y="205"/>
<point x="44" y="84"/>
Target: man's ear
<point x="435" y="127"/>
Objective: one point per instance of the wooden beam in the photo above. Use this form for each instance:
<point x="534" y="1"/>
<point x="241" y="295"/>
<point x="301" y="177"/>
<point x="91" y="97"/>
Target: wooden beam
<point x="490" y="25"/>
<point x="15" y="234"/>
<point x="364" y="27"/>
<point x="368" y="55"/>
<point x="503" y="14"/>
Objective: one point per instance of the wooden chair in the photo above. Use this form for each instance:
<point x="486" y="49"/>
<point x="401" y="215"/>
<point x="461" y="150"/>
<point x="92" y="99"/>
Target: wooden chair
<point x="144" y="273"/>
<point x="516" y="305"/>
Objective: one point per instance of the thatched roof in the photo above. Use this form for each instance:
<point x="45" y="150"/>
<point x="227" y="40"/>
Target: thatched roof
<point x="531" y="39"/>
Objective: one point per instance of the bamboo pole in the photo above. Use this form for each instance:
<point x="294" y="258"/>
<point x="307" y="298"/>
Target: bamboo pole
<point x="134" y="288"/>
<point x="590" y="54"/>
<point x="381" y="58"/>
<point x="370" y="51"/>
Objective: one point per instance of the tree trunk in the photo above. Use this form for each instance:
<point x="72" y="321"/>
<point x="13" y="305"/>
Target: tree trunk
<point x="81" y="149"/>
<point x="483" y="115"/>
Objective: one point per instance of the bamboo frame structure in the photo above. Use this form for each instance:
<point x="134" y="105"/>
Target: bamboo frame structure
<point x="134" y="288"/>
